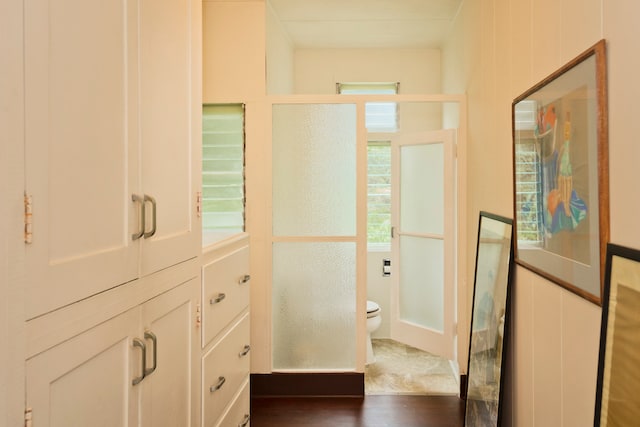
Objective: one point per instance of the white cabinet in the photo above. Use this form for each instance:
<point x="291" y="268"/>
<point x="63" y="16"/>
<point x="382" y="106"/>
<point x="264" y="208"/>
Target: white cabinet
<point x="226" y="335"/>
<point x="86" y="381"/>
<point x="101" y="377"/>
<point x="112" y="107"/>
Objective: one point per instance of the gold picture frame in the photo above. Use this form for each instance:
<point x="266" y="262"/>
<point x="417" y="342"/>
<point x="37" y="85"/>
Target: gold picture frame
<point x="618" y="385"/>
<point x="561" y="175"/>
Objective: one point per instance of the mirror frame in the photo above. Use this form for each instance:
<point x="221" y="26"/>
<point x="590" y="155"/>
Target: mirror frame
<point x="482" y="411"/>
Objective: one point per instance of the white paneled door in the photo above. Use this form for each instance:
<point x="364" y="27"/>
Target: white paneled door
<point x="170" y="111"/>
<point x="112" y="114"/>
<point x="81" y="148"/>
<point x="423" y="245"/>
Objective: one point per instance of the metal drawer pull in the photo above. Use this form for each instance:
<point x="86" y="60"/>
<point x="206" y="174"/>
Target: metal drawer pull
<point x="244" y="279"/>
<point x="217" y="299"/>
<point x="148" y="198"/>
<point x="245" y="351"/>
<point x="245" y="421"/>
<point x="140" y="201"/>
<point x="137" y="342"/>
<point x="150" y="335"/>
<point x="221" y="381"/>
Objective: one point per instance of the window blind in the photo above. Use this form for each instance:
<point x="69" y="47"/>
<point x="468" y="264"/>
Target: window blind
<point x="379" y="116"/>
<point x="379" y="192"/>
<point x="223" y="192"/>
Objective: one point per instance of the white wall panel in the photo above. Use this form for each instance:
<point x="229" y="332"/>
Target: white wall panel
<point x="621" y="29"/>
<point x="555" y="333"/>
<point x="520" y="54"/>
<point x="522" y="350"/>
<point x="547" y="352"/>
<point x="318" y="70"/>
<point x="546" y="38"/>
<point x="579" y="359"/>
<point x="582" y="20"/>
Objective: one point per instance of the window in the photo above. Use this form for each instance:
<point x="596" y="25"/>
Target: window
<point x="379" y="192"/>
<point x="379" y="116"/>
<point x="223" y="193"/>
<point x="527" y="182"/>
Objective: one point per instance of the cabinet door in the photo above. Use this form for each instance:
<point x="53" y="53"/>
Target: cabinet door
<point x="169" y="392"/>
<point x="81" y="148"/>
<point x="170" y="114"/>
<point x="87" y="381"/>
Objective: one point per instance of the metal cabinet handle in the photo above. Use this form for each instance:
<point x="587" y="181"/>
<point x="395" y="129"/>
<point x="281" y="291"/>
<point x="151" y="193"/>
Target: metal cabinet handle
<point x="216" y="387"/>
<point x="217" y="299"/>
<point x="244" y="279"/>
<point x="137" y="342"/>
<point x="245" y="351"/>
<point x="154" y="206"/>
<point x="140" y="201"/>
<point x="150" y="335"/>
<point x="245" y="421"/>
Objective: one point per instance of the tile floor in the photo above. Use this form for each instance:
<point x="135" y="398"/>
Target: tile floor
<point x="400" y="369"/>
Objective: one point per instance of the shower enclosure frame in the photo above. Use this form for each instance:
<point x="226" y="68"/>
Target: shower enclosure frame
<point x="259" y="190"/>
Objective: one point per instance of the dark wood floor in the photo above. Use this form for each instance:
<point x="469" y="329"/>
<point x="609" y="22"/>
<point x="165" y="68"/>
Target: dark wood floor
<point x="369" y="411"/>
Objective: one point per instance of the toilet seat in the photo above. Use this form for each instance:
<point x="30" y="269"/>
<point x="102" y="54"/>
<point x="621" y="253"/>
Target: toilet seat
<point x="373" y="309"/>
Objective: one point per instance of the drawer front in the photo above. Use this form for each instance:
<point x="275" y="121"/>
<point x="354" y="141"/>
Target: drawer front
<point x="239" y="412"/>
<point x="225" y="367"/>
<point x="226" y="291"/>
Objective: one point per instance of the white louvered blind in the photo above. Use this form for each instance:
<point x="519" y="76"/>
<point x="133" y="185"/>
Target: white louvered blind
<point x="379" y="116"/>
<point x="528" y="187"/>
<point x="379" y="193"/>
<point x="223" y="193"/>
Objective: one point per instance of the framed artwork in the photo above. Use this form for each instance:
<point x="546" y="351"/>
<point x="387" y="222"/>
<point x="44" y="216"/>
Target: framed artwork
<point x="489" y="321"/>
<point x="561" y="175"/>
<point x="618" y="388"/>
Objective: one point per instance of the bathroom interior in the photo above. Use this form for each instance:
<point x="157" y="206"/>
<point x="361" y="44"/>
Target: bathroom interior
<point x="323" y="272"/>
<point x="317" y="241"/>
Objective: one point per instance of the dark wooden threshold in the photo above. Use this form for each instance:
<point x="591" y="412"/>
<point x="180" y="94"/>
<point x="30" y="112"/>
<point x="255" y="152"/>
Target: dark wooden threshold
<point x="344" y="384"/>
<point x="463" y="386"/>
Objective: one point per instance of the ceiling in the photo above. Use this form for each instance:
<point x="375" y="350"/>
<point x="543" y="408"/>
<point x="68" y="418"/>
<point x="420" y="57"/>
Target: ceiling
<point x="367" y="23"/>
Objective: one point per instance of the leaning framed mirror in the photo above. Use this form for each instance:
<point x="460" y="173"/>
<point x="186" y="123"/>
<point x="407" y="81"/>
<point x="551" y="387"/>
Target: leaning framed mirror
<point x="489" y="320"/>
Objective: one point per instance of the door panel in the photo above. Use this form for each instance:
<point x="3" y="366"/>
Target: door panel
<point x="167" y="105"/>
<point x="423" y="295"/>
<point x="87" y="381"/>
<point x="80" y="148"/>
<point x="168" y="392"/>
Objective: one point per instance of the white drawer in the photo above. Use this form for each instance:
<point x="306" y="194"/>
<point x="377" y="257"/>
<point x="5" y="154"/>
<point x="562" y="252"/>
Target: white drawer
<point x="226" y="291"/>
<point x="224" y="369"/>
<point x="239" y="412"/>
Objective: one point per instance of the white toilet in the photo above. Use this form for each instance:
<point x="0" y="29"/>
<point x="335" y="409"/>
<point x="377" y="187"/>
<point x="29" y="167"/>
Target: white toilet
<point x="373" y="322"/>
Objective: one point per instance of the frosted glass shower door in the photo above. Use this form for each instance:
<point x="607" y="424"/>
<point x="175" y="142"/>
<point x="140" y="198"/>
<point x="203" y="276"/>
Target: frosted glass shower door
<point x="423" y="295"/>
<point x="314" y="237"/>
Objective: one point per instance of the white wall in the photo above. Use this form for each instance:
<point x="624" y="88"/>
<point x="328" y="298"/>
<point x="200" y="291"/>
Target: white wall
<point x="11" y="215"/>
<point x="280" y="51"/>
<point x="318" y="70"/>
<point x="379" y="290"/>
<point x="233" y="59"/>
<point x="497" y="50"/>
